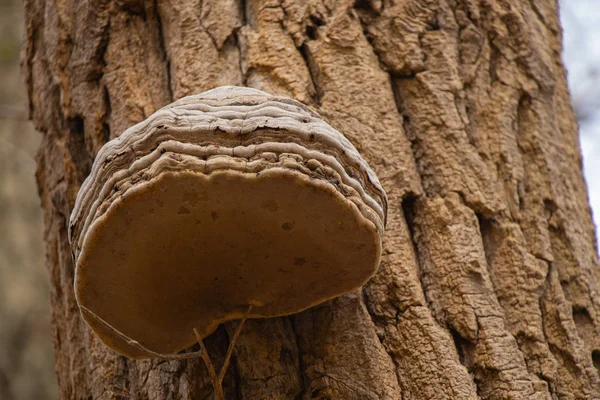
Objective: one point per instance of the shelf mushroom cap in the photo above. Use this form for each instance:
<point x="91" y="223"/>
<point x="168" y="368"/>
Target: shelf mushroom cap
<point x="216" y="202"/>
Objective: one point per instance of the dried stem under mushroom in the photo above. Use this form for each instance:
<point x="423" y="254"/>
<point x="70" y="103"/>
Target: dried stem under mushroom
<point x="172" y="357"/>
<point x="217" y="381"/>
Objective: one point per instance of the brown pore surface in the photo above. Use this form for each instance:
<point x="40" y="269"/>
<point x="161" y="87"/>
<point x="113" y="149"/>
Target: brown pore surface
<point x="489" y="281"/>
<point x="187" y="250"/>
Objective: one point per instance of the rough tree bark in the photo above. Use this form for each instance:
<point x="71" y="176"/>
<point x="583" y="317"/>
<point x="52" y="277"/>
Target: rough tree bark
<point x="489" y="285"/>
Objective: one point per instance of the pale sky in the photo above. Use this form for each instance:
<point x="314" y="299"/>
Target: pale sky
<point x="581" y="54"/>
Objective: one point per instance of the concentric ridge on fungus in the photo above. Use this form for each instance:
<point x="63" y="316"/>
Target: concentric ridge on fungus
<point x="217" y="201"/>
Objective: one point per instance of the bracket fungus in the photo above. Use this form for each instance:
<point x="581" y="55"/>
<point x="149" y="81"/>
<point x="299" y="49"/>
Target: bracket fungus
<point x="224" y="205"/>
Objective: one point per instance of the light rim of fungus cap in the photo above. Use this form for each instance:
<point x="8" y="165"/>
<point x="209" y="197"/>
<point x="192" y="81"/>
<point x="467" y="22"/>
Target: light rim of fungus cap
<point x="220" y="201"/>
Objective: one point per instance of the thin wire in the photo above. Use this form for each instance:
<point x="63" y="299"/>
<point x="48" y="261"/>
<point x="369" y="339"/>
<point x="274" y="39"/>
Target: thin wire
<point x="136" y="344"/>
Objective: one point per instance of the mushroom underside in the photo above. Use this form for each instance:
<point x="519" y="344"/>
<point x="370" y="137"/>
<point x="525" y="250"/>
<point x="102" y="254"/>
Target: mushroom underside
<point x="188" y="250"/>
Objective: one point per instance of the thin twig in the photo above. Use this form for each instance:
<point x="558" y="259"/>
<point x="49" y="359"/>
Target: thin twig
<point x="232" y="344"/>
<point x="217" y="385"/>
<point x="217" y="382"/>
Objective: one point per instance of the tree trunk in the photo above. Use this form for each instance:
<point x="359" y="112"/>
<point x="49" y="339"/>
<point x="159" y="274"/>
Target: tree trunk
<point x="489" y="283"/>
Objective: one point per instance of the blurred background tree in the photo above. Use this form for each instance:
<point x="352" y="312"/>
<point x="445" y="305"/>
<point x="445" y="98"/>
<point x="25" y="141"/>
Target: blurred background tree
<point x="26" y="356"/>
